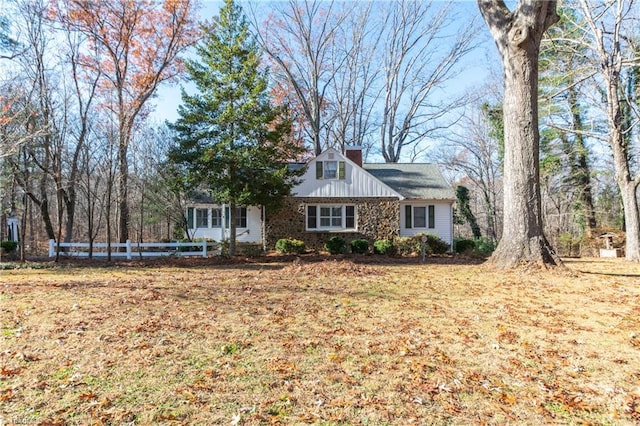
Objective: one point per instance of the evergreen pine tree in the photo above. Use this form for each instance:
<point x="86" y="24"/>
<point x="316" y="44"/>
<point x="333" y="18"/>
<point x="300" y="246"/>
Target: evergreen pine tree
<point x="6" y="42"/>
<point x="228" y="137"/>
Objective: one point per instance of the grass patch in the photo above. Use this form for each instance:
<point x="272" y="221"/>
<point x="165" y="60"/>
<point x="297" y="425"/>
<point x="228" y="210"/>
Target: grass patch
<point x="333" y="342"/>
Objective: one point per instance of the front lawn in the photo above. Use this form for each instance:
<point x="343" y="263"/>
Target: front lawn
<point x="320" y="342"/>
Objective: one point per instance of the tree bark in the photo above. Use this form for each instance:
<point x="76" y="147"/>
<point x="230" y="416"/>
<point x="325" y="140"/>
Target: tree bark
<point x="517" y="36"/>
<point x="612" y="51"/>
<point x="123" y="193"/>
<point x="628" y="185"/>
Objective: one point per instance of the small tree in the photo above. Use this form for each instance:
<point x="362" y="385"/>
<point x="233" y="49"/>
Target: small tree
<point x="462" y="195"/>
<point x="228" y="136"/>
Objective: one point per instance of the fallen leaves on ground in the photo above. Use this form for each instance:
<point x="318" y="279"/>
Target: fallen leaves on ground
<point x="327" y="341"/>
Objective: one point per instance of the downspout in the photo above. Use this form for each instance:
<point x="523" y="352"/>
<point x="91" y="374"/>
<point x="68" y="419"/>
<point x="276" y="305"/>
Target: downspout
<point x="451" y="248"/>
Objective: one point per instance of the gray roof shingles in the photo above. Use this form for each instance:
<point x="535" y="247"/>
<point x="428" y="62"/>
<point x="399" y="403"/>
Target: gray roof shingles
<point x="420" y="181"/>
<point x="413" y="180"/>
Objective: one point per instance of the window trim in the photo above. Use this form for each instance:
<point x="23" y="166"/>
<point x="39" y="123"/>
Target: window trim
<point x="348" y="214"/>
<point x="340" y="171"/>
<point x="420" y="215"/>
<point x="410" y="216"/>
<point x="241" y="219"/>
<point x="333" y="169"/>
<point x="199" y="211"/>
<point x="216" y="217"/>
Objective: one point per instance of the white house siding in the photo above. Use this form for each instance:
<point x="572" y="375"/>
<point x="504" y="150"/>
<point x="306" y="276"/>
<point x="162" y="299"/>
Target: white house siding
<point x="443" y="220"/>
<point x="251" y="234"/>
<point x="357" y="182"/>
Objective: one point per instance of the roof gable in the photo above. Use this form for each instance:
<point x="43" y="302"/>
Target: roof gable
<point x="357" y="181"/>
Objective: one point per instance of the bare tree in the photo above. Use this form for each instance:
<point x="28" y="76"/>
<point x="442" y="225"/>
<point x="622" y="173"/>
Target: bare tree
<point x="14" y="117"/>
<point x="52" y="157"/>
<point x="354" y="89"/>
<point x="37" y="167"/>
<point x="96" y="169"/>
<point x="610" y="29"/>
<point x="473" y="153"/>
<point x="517" y="35"/>
<point x="140" y="44"/>
<point x="159" y="207"/>
<point x="84" y="87"/>
<point x="419" y="57"/>
<point x="300" y="41"/>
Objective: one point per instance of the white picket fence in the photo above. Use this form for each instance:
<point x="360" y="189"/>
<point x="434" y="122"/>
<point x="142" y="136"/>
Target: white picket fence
<point x="133" y="250"/>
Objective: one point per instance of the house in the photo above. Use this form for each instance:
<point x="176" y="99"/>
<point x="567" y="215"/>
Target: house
<point x="339" y="195"/>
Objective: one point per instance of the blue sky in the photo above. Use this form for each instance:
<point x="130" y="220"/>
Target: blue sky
<point x="475" y="68"/>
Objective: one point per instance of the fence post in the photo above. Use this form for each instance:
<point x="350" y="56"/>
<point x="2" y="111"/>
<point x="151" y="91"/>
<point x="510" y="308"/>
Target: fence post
<point x="128" y="249"/>
<point x="204" y="248"/>
<point x="52" y="251"/>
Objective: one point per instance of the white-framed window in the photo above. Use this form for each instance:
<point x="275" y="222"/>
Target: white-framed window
<point x="216" y="218"/>
<point x="202" y="218"/>
<point x="420" y="217"/>
<point x="241" y="217"/>
<point x="330" y="169"/>
<point x="330" y="217"/>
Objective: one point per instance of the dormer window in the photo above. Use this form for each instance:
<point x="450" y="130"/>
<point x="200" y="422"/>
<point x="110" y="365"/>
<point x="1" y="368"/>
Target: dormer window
<point x="330" y="169"/>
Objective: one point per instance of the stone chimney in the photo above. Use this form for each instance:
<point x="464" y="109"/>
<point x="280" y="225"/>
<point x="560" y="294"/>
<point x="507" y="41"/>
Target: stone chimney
<point x="354" y="153"/>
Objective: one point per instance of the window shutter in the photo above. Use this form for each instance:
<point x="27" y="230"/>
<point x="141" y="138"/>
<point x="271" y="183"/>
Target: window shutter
<point x="341" y="170"/>
<point x="312" y="217"/>
<point x="190" y="218"/>
<point x="407" y="217"/>
<point x="432" y="217"/>
<point x="318" y="169"/>
<point x="350" y="217"/>
<point x="227" y="216"/>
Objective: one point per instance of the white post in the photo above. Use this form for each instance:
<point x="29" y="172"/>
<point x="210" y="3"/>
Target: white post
<point x="128" y="249"/>
<point x="52" y="251"/>
<point x="204" y="248"/>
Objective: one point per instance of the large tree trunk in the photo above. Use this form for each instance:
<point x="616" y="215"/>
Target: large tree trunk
<point x="631" y="220"/>
<point x="523" y="238"/>
<point x="518" y="37"/>
<point x="628" y="186"/>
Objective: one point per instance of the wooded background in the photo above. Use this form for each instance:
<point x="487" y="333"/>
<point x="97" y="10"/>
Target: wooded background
<point x="82" y="157"/>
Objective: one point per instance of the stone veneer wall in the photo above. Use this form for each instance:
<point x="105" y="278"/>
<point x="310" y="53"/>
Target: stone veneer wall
<point x="377" y="218"/>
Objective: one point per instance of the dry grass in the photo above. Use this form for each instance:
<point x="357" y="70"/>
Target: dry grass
<point x="333" y="342"/>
